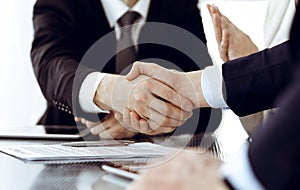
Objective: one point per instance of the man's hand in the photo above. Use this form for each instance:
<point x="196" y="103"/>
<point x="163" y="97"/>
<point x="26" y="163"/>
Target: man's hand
<point x="188" y="171"/>
<point x="232" y="42"/>
<point x="186" y="84"/>
<point x="149" y="98"/>
<point x="108" y="128"/>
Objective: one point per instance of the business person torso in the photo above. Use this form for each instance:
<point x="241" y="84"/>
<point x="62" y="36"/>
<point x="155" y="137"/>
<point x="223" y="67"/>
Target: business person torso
<point x="66" y="29"/>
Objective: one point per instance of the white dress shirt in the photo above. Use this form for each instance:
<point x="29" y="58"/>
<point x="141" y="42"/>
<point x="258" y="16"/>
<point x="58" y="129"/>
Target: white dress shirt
<point x="211" y="83"/>
<point x="114" y="10"/>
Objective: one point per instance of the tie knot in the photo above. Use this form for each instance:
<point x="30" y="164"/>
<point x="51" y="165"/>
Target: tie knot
<point x="128" y="18"/>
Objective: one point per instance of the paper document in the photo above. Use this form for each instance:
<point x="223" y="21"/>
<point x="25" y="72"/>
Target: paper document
<point x="106" y="153"/>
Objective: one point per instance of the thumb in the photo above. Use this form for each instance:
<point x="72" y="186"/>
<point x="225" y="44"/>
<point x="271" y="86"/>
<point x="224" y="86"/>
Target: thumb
<point x="134" y="72"/>
<point x="140" y="68"/>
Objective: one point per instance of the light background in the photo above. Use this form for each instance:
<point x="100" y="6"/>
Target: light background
<point x="21" y="101"/>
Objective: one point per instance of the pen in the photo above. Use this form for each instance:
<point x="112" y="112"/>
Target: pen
<point x="98" y="143"/>
<point x="120" y="172"/>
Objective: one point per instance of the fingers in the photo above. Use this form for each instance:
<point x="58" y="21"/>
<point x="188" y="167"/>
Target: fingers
<point x="125" y="120"/>
<point x="166" y="84"/>
<point x="77" y="119"/>
<point x="224" y="46"/>
<point x="208" y="8"/>
<point x="170" y="95"/>
<point x="220" y="22"/>
<point x="218" y="28"/>
<point x="114" y="128"/>
<point x="126" y="117"/>
<point x="131" y="120"/>
<point x="216" y="19"/>
<point x="89" y="124"/>
<point x="134" y="119"/>
<point x="227" y="24"/>
<point x="145" y="99"/>
<point x="163" y="120"/>
<point x="143" y="126"/>
<point x="111" y="133"/>
<point x="98" y="129"/>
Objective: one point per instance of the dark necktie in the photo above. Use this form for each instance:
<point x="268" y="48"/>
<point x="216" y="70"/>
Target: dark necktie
<point x="127" y="55"/>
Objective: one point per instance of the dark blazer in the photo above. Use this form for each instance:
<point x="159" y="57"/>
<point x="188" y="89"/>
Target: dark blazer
<point x="274" y="153"/>
<point x="252" y="83"/>
<point x="66" y="29"/>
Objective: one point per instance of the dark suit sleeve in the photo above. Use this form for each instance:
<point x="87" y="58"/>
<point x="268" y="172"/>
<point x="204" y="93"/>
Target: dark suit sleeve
<point x="54" y="56"/>
<point x="252" y="83"/>
<point x="274" y="152"/>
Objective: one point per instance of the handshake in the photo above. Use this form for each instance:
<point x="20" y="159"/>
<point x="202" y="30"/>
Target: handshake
<point x="149" y="100"/>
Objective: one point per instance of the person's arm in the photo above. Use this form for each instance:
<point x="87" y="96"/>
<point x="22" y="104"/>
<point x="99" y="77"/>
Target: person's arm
<point x="271" y="162"/>
<point x="250" y="84"/>
<point x="62" y="79"/>
<point x="253" y="83"/>
<point x="54" y="56"/>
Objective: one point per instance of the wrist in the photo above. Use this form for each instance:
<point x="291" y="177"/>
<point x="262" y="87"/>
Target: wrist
<point x="104" y="90"/>
<point x="197" y="97"/>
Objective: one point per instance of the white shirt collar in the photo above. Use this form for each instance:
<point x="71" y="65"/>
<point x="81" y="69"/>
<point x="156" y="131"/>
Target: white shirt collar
<point x="115" y="9"/>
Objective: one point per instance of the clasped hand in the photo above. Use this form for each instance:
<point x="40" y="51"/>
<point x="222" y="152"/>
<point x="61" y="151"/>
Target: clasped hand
<point x="148" y="105"/>
<point x="167" y="104"/>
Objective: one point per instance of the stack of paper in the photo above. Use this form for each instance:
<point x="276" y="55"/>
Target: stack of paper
<point x="38" y="153"/>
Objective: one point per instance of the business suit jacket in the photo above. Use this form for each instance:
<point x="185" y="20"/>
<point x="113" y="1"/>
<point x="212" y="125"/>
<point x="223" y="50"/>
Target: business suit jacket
<point x="66" y="29"/>
<point x="274" y="151"/>
<point x="253" y="83"/>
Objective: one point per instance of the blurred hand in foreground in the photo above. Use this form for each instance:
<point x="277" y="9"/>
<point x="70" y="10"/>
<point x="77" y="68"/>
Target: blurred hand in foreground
<point x="188" y="171"/>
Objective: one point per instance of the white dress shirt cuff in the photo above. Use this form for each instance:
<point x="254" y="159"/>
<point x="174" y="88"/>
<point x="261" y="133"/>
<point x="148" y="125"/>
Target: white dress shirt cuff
<point x="238" y="172"/>
<point x="87" y="93"/>
<point x="211" y="82"/>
